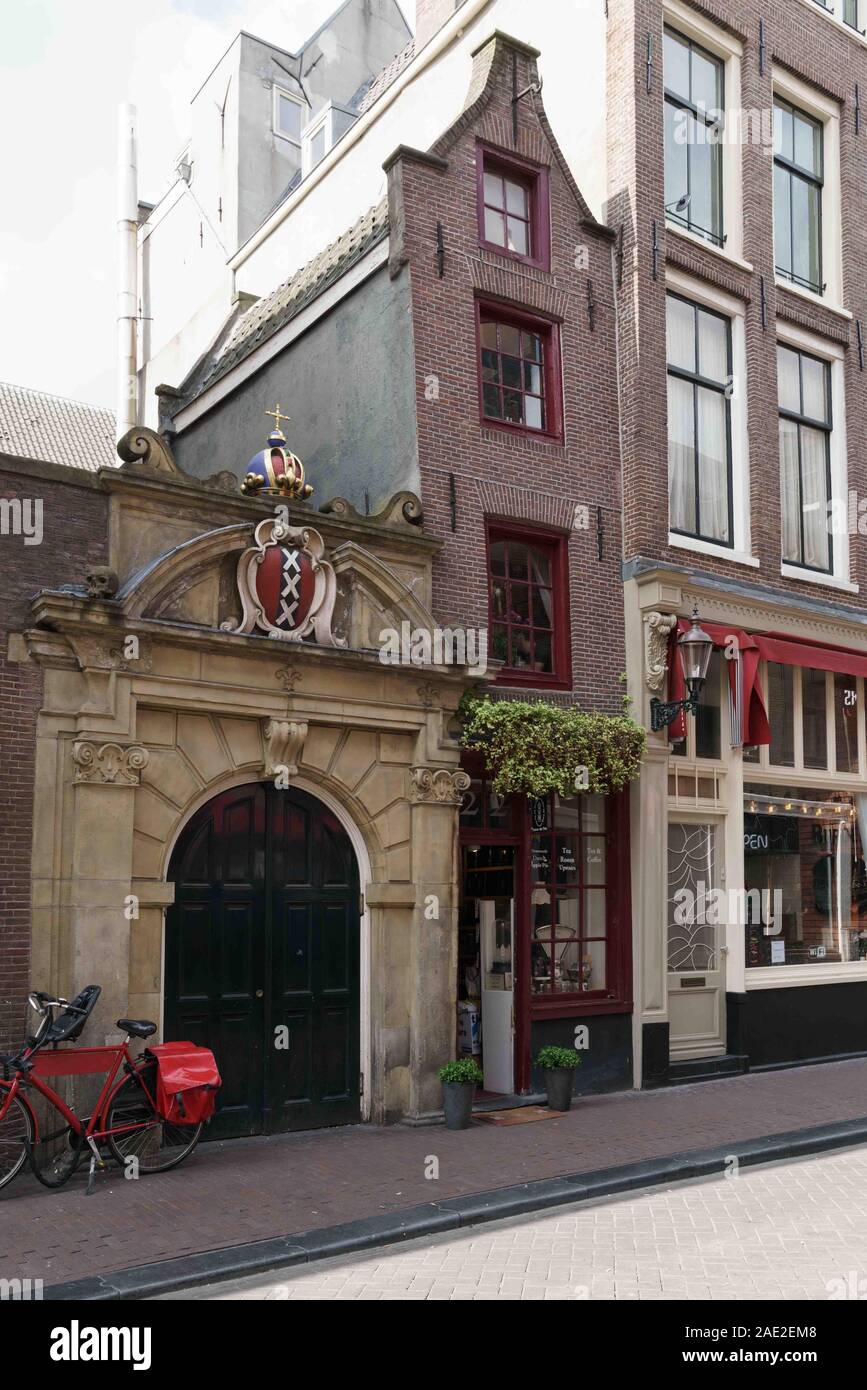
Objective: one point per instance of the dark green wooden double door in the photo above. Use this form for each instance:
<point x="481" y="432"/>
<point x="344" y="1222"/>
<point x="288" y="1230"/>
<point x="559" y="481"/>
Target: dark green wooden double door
<point x="262" y="958"/>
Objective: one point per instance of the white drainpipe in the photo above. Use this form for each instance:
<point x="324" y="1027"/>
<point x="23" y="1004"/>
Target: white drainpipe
<point x="127" y="270"/>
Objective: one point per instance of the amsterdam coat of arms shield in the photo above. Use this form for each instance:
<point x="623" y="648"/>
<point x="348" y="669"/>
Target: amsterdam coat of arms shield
<point x="286" y="586"/>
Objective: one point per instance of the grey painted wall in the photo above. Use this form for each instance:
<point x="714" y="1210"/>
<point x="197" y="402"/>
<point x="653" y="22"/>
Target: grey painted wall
<point x="349" y="386"/>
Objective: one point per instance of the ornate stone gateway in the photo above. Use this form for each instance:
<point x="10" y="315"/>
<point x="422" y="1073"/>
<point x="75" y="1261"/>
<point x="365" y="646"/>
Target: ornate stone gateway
<point x="216" y="730"/>
<point x="262" y="958"/>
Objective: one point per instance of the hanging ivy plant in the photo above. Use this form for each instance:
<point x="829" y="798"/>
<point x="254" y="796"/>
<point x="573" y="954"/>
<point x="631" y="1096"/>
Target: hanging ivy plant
<point x="533" y="748"/>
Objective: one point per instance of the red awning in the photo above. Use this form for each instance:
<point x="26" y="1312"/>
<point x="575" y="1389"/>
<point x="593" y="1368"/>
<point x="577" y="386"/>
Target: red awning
<point x="746" y="650"/>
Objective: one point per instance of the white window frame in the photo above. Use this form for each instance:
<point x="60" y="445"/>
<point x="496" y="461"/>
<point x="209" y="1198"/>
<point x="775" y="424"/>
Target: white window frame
<point x="798" y="774"/>
<point x="729" y="49"/>
<point x="322" y="121"/>
<point x="827" y="113"/>
<point x="833" y="10"/>
<point x="299" y="101"/>
<point x="790" y="335"/>
<point x="740" y="551"/>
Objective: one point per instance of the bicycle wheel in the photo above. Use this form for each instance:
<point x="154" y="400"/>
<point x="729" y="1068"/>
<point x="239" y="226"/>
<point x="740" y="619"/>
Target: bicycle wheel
<point x="156" y="1145"/>
<point x="56" y="1156"/>
<point x="16" y="1135"/>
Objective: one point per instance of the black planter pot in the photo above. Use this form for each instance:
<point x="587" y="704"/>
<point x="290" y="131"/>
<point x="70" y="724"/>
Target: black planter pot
<point x="458" y="1097"/>
<point x="559" y="1082"/>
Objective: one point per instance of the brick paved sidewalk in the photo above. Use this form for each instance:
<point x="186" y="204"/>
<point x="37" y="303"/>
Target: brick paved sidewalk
<point x="251" y="1189"/>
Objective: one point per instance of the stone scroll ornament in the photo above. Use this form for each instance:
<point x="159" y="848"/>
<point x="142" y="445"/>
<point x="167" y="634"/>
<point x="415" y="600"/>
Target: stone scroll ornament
<point x="286" y="585"/>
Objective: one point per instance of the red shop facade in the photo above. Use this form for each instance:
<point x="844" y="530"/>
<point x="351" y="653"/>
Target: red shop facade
<point x="544" y="936"/>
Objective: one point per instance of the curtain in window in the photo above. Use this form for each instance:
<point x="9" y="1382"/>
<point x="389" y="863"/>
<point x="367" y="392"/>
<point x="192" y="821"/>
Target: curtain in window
<point x="815" y="497"/>
<point x="681" y="455"/>
<point x="789" y="491"/>
<point x="713" y="465"/>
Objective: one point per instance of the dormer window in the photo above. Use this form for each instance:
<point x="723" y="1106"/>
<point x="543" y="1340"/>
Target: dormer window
<point x="513" y="207"/>
<point x="323" y="131"/>
<point x="289" y="113"/>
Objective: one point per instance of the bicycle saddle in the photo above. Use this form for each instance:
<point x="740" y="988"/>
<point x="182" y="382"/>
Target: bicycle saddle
<point x="68" y="1026"/>
<point x="137" y="1027"/>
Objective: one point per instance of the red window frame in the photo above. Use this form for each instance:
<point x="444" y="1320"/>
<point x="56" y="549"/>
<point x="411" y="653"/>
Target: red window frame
<point x="616" y="998"/>
<point x="556" y="543"/>
<point x="493" y="311"/>
<point x="534" y="178"/>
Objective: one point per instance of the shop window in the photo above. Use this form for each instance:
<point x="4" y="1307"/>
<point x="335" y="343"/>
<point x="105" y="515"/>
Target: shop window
<point x="846" y="722"/>
<point x="805" y="876"/>
<point x="694" y="113"/>
<point x="513" y="207"/>
<point x="814" y="687"/>
<point x="699" y="421"/>
<point x="781" y="711"/>
<point x="484" y="809"/>
<point x="569" y="897"/>
<point x="518" y="371"/>
<point x="528" y="604"/>
<point x="798" y="183"/>
<point x="815" y="721"/>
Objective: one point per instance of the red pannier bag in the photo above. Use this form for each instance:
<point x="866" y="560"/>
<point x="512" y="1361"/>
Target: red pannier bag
<point x="187" y="1082"/>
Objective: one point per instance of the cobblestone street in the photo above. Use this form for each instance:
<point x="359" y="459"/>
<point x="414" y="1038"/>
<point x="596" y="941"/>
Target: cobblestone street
<point x="786" y="1231"/>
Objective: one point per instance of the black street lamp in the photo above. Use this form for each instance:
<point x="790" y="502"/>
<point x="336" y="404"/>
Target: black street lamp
<point x="694" y="648"/>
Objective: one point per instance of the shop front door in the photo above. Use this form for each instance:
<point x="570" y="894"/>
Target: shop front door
<point x="696" y="961"/>
<point x="262" y="958"/>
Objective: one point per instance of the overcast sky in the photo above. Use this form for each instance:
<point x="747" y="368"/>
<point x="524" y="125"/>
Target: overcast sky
<point x="65" y="65"/>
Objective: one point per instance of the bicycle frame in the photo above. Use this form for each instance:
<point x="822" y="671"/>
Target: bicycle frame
<point x="83" y="1061"/>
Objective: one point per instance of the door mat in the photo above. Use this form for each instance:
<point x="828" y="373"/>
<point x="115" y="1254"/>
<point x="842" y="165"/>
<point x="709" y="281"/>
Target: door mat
<point x="524" y="1115"/>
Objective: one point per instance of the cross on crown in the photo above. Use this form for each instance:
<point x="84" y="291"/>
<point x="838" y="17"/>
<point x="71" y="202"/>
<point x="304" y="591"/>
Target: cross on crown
<point x="278" y="416"/>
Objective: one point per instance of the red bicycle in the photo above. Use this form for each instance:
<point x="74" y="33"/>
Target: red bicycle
<point x="124" y="1117"/>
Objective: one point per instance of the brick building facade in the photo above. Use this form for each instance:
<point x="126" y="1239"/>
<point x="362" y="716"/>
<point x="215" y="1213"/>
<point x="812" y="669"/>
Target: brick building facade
<point x="788" y="292"/>
<point x="73" y="531"/>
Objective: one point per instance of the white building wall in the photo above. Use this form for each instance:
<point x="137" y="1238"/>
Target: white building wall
<point x="190" y="287"/>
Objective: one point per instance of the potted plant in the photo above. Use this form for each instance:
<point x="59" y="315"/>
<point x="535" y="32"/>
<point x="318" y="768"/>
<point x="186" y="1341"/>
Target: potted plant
<point x="558" y="1064"/>
<point x="460" y="1080"/>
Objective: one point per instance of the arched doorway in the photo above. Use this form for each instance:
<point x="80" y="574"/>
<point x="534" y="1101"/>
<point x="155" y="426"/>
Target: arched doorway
<point x="263" y="956"/>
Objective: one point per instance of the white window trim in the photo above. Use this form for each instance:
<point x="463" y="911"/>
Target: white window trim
<point x="735" y="311"/>
<point x="836" y="972"/>
<point x="730" y="51"/>
<point x="792" y="336"/>
<point x="836" y="18"/>
<point x="822" y="109"/>
<point x="299" y="101"/>
<point x="322" y="121"/>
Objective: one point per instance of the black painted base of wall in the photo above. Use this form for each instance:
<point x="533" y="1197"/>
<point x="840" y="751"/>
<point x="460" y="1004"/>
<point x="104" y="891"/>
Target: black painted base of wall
<point x="805" y="1023"/>
<point x="654" y="1052"/>
<point x="606" y="1063"/>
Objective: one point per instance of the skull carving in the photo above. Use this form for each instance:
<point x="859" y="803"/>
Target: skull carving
<point x="102" y="582"/>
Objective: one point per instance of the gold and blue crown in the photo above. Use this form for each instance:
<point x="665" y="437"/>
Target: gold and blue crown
<point x="275" y="471"/>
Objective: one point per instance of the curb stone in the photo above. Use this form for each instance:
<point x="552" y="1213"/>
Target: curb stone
<point x="451" y="1214"/>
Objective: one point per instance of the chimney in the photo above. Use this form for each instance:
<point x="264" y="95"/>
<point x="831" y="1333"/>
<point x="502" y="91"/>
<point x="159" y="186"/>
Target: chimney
<point x="430" y="16"/>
